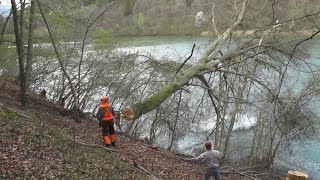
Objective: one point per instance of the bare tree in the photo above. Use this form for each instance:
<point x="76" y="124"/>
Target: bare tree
<point x="4" y="27"/>
<point x="30" y="50"/>
<point x="18" y="31"/>
<point x="205" y="63"/>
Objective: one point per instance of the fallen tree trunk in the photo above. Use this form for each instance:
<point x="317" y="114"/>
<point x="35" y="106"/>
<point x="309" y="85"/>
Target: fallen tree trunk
<point x="206" y="62"/>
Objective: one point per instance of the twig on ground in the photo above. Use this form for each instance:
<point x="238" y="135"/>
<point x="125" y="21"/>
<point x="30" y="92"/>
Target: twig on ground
<point x="232" y="171"/>
<point x="3" y="85"/>
<point x="96" y="145"/>
<point x="13" y="110"/>
<point x="136" y="165"/>
<point x="144" y="170"/>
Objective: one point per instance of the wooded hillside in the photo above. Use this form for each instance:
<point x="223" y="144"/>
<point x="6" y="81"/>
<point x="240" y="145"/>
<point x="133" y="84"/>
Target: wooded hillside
<point x="50" y="142"/>
<point x="69" y="51"/>
<point x="177" y="17"/>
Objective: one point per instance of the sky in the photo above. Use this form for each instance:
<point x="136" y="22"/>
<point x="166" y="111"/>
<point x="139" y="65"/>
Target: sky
<point x="6" y="2"/>
<point x="5" y="6"/>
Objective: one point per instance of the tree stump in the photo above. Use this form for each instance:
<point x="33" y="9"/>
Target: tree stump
<point x="297" y="175"/>
<point x="127" y="113"/>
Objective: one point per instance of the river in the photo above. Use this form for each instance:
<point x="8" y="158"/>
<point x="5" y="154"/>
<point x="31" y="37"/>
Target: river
<point x="303" y="155"/>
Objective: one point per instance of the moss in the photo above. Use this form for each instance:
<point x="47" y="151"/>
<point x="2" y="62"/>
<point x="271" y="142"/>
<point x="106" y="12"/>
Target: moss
<point x="12" y="117"/>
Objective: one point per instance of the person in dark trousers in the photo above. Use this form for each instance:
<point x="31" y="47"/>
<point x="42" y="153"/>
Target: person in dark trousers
<point x="105" y="117"/>
<point x="210" y="159"/>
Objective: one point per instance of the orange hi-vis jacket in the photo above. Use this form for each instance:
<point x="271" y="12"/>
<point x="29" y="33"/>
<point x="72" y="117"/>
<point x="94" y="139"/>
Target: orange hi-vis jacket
<point x="107" y="116"/>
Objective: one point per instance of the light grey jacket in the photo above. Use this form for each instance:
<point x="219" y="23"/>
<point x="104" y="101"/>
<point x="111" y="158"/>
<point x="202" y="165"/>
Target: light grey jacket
<point x="210" y="158"/>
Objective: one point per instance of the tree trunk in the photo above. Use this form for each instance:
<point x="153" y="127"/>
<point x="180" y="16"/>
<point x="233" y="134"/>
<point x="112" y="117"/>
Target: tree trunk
<point x="5" y="27"/>
<point x="19" y="46"/>
<point x="173" y="137"/>
<point x="153" y="128"/>
<point x="233" y="119"/>
<point x="30" y="45"/>
<point x="255" y="136"/>
<point x="74" y="94"/>
<point x="219" y="119"/>
<point x="236" y="109"/>
<point x="205" y="63"/>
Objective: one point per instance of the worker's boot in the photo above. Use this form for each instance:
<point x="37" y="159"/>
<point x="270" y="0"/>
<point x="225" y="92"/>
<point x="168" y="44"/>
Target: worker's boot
<point x="113" y="139"/>
<point x="107" y="141"/>
<point x="113" y="144"/>
<point x="108" y="145"/>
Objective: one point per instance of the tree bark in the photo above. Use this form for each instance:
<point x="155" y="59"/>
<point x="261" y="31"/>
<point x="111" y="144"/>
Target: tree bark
<point x="5" y="27"/>
<point x="30" y="45"/>
<point x="74" y="94"/>
<point x="19" y="46"/>
<point x="173" y="137"/>
<point x="235" y="111"/>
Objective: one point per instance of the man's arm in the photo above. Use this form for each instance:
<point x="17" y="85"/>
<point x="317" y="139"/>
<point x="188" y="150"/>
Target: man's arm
<point x="219" y="154"/>
<point x="100" y="115"/>
<point x="112" y="111"/>
<point x="201" y="158"/>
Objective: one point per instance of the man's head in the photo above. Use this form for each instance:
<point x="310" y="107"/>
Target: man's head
<point x="104" y="99"/>
<point x="207" y="144"/>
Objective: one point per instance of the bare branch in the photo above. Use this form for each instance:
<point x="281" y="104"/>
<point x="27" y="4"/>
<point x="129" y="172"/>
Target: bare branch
<point x="214" y="22"/>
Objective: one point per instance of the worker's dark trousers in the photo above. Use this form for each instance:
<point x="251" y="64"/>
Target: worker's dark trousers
<point x="213" y="171"/>
<point x="108" y="132"/>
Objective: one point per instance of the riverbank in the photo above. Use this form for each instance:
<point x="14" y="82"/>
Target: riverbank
<point x="246" y="33"/>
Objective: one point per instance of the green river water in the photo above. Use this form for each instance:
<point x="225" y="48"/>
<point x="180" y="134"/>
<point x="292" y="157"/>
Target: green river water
<point x="304" y="155"/>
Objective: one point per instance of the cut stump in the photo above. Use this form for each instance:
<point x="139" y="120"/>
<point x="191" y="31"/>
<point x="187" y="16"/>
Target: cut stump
<point x="127" y="113"/>
<point x="297" y="175"/>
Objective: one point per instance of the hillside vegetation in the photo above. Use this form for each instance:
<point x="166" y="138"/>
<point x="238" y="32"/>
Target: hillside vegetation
<point x="170" y="17"/>
<point x="46" y="141"/>
<point x="69" y="50"/>
<point x="177" y="17"/>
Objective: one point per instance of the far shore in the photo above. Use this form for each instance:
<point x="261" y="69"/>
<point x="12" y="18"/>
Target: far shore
<point x="244" y="33"/>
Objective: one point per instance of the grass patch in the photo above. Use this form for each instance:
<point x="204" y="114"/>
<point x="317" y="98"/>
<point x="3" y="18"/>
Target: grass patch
<point x="12" y="117"/>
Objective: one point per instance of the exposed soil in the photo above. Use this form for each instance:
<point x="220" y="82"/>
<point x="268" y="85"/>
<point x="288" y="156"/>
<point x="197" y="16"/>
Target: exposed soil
<point x="78" y="127"/>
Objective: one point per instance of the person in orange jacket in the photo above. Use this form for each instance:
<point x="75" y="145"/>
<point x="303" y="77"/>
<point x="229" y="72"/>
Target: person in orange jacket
<point x="105" y="117"/>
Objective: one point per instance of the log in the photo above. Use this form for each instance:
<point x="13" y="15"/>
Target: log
<point x="297" y="175"/>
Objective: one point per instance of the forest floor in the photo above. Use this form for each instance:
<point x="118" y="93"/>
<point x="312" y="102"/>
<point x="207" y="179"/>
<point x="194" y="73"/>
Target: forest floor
<point x="46" y="141"/>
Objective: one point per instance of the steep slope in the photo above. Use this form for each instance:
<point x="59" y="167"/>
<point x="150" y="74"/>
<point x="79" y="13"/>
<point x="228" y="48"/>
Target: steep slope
<point x="39" y="143"/>
<point x="48" y="142"/>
